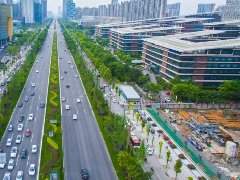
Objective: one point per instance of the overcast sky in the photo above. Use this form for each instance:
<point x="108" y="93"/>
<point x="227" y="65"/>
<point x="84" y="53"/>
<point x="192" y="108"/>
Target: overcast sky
<point x="187" y="6"/>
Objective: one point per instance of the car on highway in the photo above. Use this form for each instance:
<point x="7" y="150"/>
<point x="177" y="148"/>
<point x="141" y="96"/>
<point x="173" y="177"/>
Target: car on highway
<point x="34" y="148"/>
<point x="30" y="117"/>
<point x="67" y="85"/>
<point x="67" y="107"/>
<point x="32" y="93"/>
<point x="37" y="61"/>
<point x="31" y="170"/>
<point x="85" y="174"/>
<point x="23" y="153"/>
<point x="20" y="104"/>
<point x="18" y="139"/>
<point x="13" y="152"/>
<point x="63" y="99"/>
<point x="10" y="128"/>
<point x="7" y="176"/>
<point x="37" y="71"/>
<point x="74" y="117"/>
<point x="78" y="100"/>
<point x="20" y="127"/>
<point x="65" y="72"/>
<point x="62" y="77"/>
<point x="28" y="133"/>
<point x="9" y="142"/>
<point x="19" y="175"/>
<point x="42" y="105"/>
<point x="76" y="76"/>
<point x="10" y="164"/>
<point x="72" y="66"/>
<point x="21" y="118"/>
<point x="26" y="99"/>
<point x="33" y="84"/>
<point x="69" y="62"/>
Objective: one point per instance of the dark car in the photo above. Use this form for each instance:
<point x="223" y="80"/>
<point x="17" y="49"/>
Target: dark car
<point x="65" y="72"/>
<point x="20" y="104"/>
<point x="33" y="93"/>
<point x="85" y="174"/>
<point x="67" y="86"/>
<point x="42" y="105"/>
<point x="21" y="118"/>
<point x="28" y="133"/>
<point x="1" y="150"/>
<point x="23" y="153"/>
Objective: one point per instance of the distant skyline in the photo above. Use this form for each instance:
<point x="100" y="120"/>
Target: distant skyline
<point x="187" y="6"/>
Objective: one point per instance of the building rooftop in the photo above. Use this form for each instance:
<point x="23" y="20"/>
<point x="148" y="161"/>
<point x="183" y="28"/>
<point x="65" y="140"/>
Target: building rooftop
<point x="135" y="30"/>
<point x="129" y="92"/>
<point x="180" y="43"/>
<point x="223" y="23"/>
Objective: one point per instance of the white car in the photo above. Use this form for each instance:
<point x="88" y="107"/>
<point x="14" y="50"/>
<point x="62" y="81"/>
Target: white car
<point x="37" y="71"/>
<point x="18" y="139"/>
<point x="67" y="107"/>
<point x="74" y="117"/>
<point x="9" y="142"/>
<point x="13" y="152"/>
<point x="62" y="77"/>
<point x="34" y="148"/>
<point x="167" y="100"/>
<point x="37" y="61"/>
<point x="7" y="176"/>
<point x="114" y="100"/>
<point x="20" y="127"/>
<point x="69" y="62"/>
<point x="63" y="99"/>
<point x="26" y="99"/>
<point x="78" y="100"/>
<point x="71" y="66"/>
<point x="10" y="164"/>
<point x="30" y="117"/>
<point x="33" y="84"/>
<point x="31" y="170"/>
<point x="149" y="150"/>
<point x="19" y="175"/>
<point x="76" y="76"/>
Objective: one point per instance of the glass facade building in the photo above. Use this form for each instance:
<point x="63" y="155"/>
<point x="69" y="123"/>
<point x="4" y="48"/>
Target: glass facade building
<point x="6" y="23"/>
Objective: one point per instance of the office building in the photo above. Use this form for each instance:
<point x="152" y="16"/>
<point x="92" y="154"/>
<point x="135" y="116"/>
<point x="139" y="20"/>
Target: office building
<point x="59" y="12"/>
<point x="44" y="9"/>
<point x="173" y="10"/>
<point x="204" y="56"/>
<point x="27" y="9"/>
<point x="102" y="10"/>
<point x="38" y="11"/>
<point x="231" y="10"/>
<point x="16" y="10"/>
<point x="68" y="9"/>
<point x="114" y="1"/>
<point x="86" y="11"/>
<point x="203" y="8"/>
<point x="9" y="1"/>
<point x="6" y="23"/>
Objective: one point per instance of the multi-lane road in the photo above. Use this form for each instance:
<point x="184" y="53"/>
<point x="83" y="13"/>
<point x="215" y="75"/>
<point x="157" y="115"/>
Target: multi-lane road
<point x="83" y="143"/>
<point x="42" y="64"/>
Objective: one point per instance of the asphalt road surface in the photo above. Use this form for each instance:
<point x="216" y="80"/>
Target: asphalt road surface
<point x="32" y="106"/>
<point x="83" y="144"/>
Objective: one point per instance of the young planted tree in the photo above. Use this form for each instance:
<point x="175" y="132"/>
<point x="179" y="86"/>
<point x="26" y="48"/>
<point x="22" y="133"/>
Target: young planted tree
<point x="190" y="178"/>
<point x="141" y="153"/>
<point x="168" y="157"/>
<point x="137" y="116"/>
<point x="160" y="148"/>
<point x="147" y="130"/>
<point x="143" y="124"/>
<point x="177" y="167"/>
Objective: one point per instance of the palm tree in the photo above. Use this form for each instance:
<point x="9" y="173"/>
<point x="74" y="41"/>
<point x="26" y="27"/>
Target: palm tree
<point x="160" y="148"/>
<point x="168" y="157"/>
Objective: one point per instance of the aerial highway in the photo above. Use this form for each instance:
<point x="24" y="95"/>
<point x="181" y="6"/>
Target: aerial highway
<point x="83" y="144"/>
<point x="33" y="94"/>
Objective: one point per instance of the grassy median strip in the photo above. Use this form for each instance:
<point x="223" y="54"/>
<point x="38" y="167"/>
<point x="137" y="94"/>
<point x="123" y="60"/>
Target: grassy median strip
<point x="15" y="86"/>
<point x="52" y="156"/>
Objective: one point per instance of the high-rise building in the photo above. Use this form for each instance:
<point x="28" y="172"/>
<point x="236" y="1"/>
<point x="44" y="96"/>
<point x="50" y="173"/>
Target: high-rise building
<point x="16" y="11"/>
<point x="231" y="10"/>
<point x="6" y="23"/>
<point x="38" y="11"/>
<point x="9" y="1"/>
<point x="114" y="1"/>
<point x="59" y="11"/>
<point x="203" y="8"/>
<point x="44" y="9"/>
<point x="27" y="9"/>
<point x="173" y="10"/>
<point x="68" y="9"/>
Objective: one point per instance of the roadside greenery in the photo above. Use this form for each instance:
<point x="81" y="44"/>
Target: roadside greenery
<point x="52" y="155"/>
<point x="102" y="42"/>
<point x="113" y="127"/>
<point x="15" y="86"/>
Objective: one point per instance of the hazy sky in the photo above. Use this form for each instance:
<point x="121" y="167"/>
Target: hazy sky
<point x="187" y="6"/>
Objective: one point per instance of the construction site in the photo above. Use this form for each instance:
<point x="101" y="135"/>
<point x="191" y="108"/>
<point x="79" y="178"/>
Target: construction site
<point x="214" y="133"/>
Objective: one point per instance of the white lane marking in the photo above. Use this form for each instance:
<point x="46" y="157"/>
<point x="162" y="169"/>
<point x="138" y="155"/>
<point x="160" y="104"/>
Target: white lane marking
<point x="77" y="111"/>
<point x="28" y="160"/>
<point x="84" y="110"/>
<point x="39" y="97"/>
<point x="17" y="160"/>
<point x="32" y="138"/>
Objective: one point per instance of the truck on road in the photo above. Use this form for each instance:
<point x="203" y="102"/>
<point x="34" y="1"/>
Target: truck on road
<point x="3" y="160"/>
